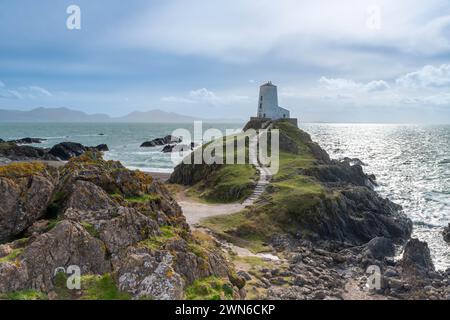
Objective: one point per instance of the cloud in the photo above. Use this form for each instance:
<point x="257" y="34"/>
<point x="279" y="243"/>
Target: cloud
<point x="294" y="29"/>
<point x="350" y="85"/>
<point x="441" y="99"/>
<point x="205" y="96"/>
<point x="428" y="76"/>
<point x="29" y="92"/>
<point x="39" y="91"/>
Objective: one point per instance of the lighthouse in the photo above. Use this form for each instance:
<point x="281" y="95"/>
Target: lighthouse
<point x="268" y="107"/>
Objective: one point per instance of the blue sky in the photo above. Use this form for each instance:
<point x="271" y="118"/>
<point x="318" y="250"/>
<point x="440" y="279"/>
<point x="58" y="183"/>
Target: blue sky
<point x="343" y="61"/>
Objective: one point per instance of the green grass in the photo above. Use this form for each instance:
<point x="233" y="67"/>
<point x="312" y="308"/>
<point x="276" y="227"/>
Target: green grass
<point x="144" y="198"/>
<point x="224" y="182"/>
<point x="12" y="256"/>
<point x="211" y="288"/>
<point x="289" y="205"/>
<point x="241" y="230"/>
<point x="90" y="229"/>
<point x="24" y="295"/>
<point x="230" y="183"/>
<point x="93" y="287"/>
<point x="154" y="243"/>
<point x="101" y="288"/>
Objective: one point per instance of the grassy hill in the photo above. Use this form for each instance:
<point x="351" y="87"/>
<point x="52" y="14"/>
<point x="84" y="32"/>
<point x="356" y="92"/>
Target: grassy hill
<point x="310" y="197"/>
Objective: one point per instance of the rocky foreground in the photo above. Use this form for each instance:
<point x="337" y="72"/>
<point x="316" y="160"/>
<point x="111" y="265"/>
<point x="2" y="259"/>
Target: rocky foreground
<point x="120" y="227"/>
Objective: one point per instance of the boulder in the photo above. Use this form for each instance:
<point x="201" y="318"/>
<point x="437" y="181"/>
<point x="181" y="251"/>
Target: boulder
<point x="65" y="245"/>
<point x="66" y="150"/>
<point x="101" y="147"/>
<point x="161" y="141"/>
<point x="147" y="274"/>
<point x="416" y="260"/>
<point x="446" y="234"/>
<point x="27" y="140"/>
<point x="25" y="193"/>
<point x="380" y="247"/>
<point x="16" y="152"/>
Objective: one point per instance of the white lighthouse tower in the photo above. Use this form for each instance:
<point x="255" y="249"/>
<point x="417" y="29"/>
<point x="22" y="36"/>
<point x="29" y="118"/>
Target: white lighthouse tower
<point x="268" y="103"/>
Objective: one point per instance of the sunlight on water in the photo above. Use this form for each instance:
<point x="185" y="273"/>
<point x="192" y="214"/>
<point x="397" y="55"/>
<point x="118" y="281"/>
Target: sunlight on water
<point x="412" y="166"/>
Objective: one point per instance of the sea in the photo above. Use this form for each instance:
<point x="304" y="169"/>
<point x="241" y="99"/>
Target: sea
<point x="411" y="162"/>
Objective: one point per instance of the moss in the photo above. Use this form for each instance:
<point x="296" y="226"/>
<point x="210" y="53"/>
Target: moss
<point x="90" y="229"/>
<point x="22" y="169"/>
<point x="93" y="287"/>
<point x="101" y="288"/>
<point x="144" y="198"/>
<point x="166" y="233"/>
<point x="52" y="224"/>
<point x="211" y="288"/>
<point x="12" y="256"/>
<point x="24" y="295"/>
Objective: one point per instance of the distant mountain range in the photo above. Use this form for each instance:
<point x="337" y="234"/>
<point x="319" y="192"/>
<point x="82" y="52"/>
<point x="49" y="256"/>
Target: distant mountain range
<point x="68" y="115"/>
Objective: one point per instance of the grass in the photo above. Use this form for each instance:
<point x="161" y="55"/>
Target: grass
<point x="12" y="256"/>
<point x="22" y="169"/>
<point x="101" y="288"/>
<point x="24" y="295"/>
<point x="93" y="287"/>
<point x="291" y="200"/>
<point x="225" y="181"/>
<point x="241" y="230"/>
<point x="90" y="229"/>
<point x="230" y="183"/>
<point x="144" y="198"/>
<point x="155" y="243"/>
<point x="211" y="288"/>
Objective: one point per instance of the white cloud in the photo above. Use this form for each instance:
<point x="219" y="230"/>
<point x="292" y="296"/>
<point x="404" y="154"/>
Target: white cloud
<point x="350" y="85"/>
<point x="428" y="76"/>
<point x="296" y="29"/>
<point x="376" y="85"/>
<point x="39" y="91"/>
<point x="205" y="96"/>
<point x="30" y="92"/>
<point x="441" y="99"/>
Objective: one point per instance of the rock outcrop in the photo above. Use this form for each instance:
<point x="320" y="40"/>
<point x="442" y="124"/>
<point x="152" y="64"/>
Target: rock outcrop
<point x="161" y="141"/>
<point x="26" y="190"/>
<point x="106" y="220"/>
<point x="16" y="151"/>
<point x="27" y="140"/>
<point x="66" y="150"/>
<point x="446" y="234"/>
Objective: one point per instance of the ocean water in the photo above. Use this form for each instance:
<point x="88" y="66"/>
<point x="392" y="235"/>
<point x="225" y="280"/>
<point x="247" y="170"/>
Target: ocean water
<point x="412" y="166"/>
<point x="411" y="162"/>
<point x="123" y="139"/>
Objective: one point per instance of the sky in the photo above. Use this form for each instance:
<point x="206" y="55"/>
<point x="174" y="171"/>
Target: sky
<point x="333" y="61"/>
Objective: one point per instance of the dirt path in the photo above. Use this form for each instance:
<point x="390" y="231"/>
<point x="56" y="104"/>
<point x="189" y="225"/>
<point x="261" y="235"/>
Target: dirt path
<point x="195" y="211"/>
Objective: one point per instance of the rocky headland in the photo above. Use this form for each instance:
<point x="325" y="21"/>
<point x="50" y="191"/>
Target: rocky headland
<point x="332" y="232"/>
